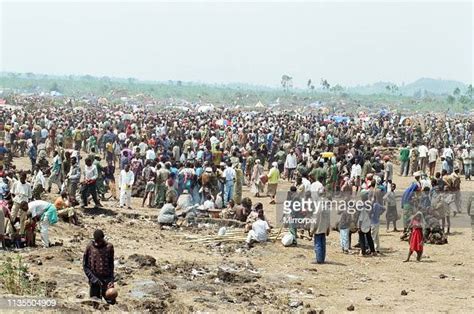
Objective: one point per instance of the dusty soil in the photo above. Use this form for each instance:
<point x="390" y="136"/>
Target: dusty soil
<point x="159" y="270"/>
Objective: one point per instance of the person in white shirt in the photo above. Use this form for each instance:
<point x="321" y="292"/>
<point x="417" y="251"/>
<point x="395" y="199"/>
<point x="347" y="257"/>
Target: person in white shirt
<point x="317" y="188"/>
<point x="448" y="155"/>
<point x="423" y="156"/>
<point x="290" y="164"/>
<point x="126" y="182"/>
<point x="44" y="212"/>
<point x="21" y="192"/>
<point x="90" y="183"/>
<point x="259" y="232"/>
<point x="229" y="177"/>
<point x="150" y="154"/>
<point x="39" y="183"/>
<point x="432" y="157"/>
<point x="306" y="183"/>
<point x="356" y="172"/>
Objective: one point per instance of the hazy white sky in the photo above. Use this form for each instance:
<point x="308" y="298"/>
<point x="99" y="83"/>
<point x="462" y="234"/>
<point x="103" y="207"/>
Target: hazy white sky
<point x="345" y="42"/>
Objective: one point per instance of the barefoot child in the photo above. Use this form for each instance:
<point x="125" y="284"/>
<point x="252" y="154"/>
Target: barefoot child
<point x="417" y="223"/>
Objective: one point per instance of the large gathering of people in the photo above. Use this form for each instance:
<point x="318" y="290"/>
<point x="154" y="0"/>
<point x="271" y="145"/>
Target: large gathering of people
<point x="177" y="161"/>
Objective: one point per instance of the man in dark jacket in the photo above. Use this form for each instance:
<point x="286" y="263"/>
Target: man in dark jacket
<point x="98" y="264"/>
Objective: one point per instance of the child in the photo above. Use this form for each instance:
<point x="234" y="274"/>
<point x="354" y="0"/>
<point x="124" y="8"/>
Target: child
<point x="344" y="229"/>
<point x="417" y="223"/>
<point x="259" y="232"/>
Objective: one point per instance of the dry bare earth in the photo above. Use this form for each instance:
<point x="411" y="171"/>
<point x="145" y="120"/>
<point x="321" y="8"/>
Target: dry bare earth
<point x="159" y="270"/>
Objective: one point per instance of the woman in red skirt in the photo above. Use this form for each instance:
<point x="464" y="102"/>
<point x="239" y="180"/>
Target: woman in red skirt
<point x="417" y="224"/>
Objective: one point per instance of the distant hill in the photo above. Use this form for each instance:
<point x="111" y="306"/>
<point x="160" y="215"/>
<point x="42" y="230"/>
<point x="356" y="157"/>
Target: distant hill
<point x="431" y="86"/>
<point x="435" y="86"/>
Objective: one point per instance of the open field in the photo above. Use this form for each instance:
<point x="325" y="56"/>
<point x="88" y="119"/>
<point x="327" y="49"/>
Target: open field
<point x="175" y="274"/>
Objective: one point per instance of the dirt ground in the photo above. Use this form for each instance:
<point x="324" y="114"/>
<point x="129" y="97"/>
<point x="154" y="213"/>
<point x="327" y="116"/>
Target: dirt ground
<point x="159" y="270"/>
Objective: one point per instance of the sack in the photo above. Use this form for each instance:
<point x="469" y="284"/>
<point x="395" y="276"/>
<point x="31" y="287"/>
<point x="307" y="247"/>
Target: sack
<point x="287" y="239"/>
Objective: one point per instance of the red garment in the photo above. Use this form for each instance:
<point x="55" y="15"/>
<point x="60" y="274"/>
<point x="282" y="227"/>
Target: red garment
<point x="416" y="239"/>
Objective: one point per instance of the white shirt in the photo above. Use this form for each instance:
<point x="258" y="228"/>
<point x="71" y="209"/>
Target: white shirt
<point x="432" y="154"/>
<point x="317" y="188"/>
<point x="126" y="179"/>
<point x="143" y="146"/>
<point x="423" y="151"/>
<point x="448" y="152"/>
<point x="290" y="162"/>
<point x="306" y="184"/>
<point x="150" y="154"/>
<point x="22" y="192"/>
<point x="356" y="171"/>
<point x="90" y="173"/>
<point x="38" y="207"/>
<point x="261" y="227"/>
<point x="229" y="174"/>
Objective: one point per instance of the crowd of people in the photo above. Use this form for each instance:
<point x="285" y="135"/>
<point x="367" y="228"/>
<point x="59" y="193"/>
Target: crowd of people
<point x="190" y="163"/>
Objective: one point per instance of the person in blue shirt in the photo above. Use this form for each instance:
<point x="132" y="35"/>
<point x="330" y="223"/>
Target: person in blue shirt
<point x="33" y="155"/>
<point x="4" y="189"/>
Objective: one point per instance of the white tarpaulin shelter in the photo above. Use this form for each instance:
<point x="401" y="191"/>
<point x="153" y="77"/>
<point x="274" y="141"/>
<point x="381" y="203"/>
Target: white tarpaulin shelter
<point x="259" y="105"/>
<point x="206" y="108"/>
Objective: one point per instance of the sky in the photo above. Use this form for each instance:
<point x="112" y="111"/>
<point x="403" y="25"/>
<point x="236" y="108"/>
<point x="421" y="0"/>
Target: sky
<point x="347" y="43"/>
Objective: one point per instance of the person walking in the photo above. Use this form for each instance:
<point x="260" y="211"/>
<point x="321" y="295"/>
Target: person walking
<point x="126" y="182"/>
<point x="404" y="160"/>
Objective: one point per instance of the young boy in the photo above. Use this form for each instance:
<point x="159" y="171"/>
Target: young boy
<point x="259" y="232"/>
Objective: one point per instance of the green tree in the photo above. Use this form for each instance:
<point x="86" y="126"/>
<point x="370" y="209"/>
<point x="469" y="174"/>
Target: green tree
<point x="450" y="99"/>
<point x="325" y="84"/>
<point x="456" y="91"/>
<point x="469" y="91"/>
<point x="286" y="82"/>
<point x="54" y="87"/>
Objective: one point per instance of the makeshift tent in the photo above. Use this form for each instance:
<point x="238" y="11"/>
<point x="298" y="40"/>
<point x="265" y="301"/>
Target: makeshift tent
<point x="206" y="108"/>
<point x="340" y="119"/>
<point x="223" y="122"/>
<point x="259" y="105"/>
<point x="127" y="116"/>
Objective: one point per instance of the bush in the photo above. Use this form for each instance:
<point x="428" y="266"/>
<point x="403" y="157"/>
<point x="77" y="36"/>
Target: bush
<point x="16" y="279"/>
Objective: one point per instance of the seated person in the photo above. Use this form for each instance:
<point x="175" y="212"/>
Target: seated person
<point x="260" y="230"/>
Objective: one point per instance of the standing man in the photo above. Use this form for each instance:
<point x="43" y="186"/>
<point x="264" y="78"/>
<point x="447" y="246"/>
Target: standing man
<point x="21" y="192"/>
<point x="55" y="176"/>
<point x="423" y="156"/>
<point x="290" y="164"/>
<point x="414" y="159"/>
<point x="468" y="161"/>
<point x="98" y="265"/>
<point x="229" y="177"/>
<point x="73" y="178"/>
<point x="126" y="182"/>
<point x="432" y="157"/>
<point x="388" y="171"/>
<point x="404" y="160"/>
<point x="273" y="178"/>
<point x="90" y="183"/>
<point x="320" y="229"/>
